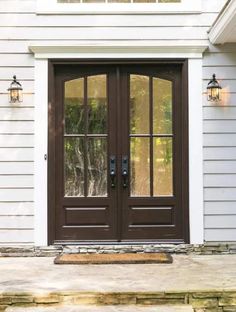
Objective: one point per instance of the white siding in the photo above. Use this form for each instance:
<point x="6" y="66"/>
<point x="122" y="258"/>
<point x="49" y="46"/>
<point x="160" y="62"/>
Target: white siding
<point x="220" y="146"/>
<point x="19" y="25"/>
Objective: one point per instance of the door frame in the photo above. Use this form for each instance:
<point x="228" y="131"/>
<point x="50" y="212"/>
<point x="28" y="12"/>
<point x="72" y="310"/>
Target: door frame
<point x="43" y="74"/>
<point x="182" y="158"/>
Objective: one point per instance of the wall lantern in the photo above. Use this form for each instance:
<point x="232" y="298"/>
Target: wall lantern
<point x="213" y="90"/>
<point x="15" y="91"/>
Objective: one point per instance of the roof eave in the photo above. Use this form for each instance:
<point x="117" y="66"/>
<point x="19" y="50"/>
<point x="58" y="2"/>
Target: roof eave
<point x="225" y="22"/>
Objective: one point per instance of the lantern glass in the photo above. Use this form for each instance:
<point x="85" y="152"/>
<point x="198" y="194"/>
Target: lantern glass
<point x="213" y="90"/>
<point x="15" y="91"/>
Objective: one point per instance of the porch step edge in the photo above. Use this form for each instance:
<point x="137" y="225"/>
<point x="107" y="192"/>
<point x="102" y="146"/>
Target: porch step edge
<point x="176" y="308"/>
<point x="214" y="299"/>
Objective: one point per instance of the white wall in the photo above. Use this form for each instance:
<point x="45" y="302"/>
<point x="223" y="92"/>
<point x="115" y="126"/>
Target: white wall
<point x="19" y="25"/>
<point x="220" y="146"/>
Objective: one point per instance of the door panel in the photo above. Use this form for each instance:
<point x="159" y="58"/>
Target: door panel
<point x="120" y="153"/>
<point x="86" y="204"/>
<point x="152" y="204"/>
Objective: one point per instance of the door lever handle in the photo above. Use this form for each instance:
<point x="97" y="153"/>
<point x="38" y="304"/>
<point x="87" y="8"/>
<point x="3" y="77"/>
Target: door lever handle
<point x="125" y="170"/>
<point x="113" y="171"/>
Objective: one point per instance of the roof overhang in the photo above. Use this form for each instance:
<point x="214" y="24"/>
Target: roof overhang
<point x="224" y="28"/>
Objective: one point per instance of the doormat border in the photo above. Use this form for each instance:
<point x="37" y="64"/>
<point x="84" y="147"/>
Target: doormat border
<point x="114" y="258"/>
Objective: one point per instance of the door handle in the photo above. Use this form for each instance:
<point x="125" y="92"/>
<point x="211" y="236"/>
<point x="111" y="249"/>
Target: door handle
<point x="113" y="171"/>
<point x="125" y="170"/>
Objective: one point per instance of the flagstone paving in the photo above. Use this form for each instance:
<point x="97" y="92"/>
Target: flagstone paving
<point x="105" y="309"/>
<point x="187" y="272"/>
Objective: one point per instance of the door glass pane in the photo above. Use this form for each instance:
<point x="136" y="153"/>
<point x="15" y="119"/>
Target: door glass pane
<point x="97" y="166"/>
<point x="74" y="106"/>
<point x="74" y="166"/>
<point x="162" y="106"/>
<point x="97" y="104"/>
<point x="162" y="166"/>
<point x="140" y="162"/>
<point x="139" y="104"/>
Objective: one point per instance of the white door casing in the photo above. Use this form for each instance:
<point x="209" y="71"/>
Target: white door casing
<point x="192" y="52"/>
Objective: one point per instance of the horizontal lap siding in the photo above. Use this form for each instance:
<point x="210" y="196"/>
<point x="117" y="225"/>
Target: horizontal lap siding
<point x="18" y="26"/>
<point x="219" y="127"/>
<point x="16" y="129"/>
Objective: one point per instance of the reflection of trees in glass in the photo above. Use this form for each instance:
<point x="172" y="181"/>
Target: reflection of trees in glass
<point x="162" y="106"/>
<point x="97" y="167"/>
<point x="139" y="104"/>
<point x="74" y="166"/>
<point x="97" y="115"/>
<point x="140" y="166"/>
<point x="163" y="166"/>
<point x="75" y="150"/>
<point x="162" y="147"/>
<point x="74" y="116"/>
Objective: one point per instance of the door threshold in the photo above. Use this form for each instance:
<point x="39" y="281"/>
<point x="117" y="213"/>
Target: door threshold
<point x="115" y="243"/>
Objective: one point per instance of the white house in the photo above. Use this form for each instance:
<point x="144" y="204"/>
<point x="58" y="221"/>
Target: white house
<point x="115" y="139"/>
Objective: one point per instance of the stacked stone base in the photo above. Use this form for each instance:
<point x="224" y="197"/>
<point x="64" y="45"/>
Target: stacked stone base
<point x="51" y="251"/>
<point x="210" y="301"/>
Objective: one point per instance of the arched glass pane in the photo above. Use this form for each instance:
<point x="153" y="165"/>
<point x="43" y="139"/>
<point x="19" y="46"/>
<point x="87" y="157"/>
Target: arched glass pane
<point x="162" y="106"/>
<point x="74" y="106"/>
<point x="97" y="104"/>
<point x="139" y="104"/>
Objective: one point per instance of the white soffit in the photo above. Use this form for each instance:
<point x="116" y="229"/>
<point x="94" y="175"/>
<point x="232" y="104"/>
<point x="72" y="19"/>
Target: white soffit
<point x="224" y="28"/>
<point x="120" y="49"/>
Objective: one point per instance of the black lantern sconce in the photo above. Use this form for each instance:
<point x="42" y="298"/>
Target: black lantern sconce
<point x="213" y="90"/>
<point x="15" y="91"/>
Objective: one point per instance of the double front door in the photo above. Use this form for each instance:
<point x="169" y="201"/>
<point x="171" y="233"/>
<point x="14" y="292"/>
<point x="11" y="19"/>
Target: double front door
<point x="118" y="163"/>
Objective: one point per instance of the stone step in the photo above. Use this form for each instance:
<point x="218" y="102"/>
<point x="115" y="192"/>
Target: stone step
<point x="91" y="308"/>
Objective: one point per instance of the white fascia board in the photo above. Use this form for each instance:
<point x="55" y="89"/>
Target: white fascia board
<point x="184" y="7"/>
<point x="224" y="24"/>
<point x="49" y="50"/>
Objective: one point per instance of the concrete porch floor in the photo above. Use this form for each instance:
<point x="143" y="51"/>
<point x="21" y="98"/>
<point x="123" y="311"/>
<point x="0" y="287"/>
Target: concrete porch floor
<point x="186" y="273"/>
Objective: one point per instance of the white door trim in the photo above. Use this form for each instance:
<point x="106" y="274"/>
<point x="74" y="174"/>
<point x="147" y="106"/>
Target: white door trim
<point x="195" y="129"/>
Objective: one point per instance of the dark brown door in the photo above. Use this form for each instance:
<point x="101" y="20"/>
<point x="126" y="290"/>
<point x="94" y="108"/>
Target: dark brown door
<point x="118" y="163"/>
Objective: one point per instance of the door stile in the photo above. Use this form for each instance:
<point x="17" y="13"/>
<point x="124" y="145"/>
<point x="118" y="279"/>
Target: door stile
<point x="124" y="143"/>
<point x="151" y="132"/>
<point x="59" y="145"/>
<point x="112" y="146"/>
<point x="118" y="112"/>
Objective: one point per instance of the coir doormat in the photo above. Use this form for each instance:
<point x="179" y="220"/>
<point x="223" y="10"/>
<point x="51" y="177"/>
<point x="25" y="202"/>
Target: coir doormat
<point x="125" y="258"/>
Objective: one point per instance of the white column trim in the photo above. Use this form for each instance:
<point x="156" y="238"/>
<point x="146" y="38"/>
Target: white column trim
<point x="40" y="147"/>
<point x="195" y="140"/>
<point x="195" y="152"/>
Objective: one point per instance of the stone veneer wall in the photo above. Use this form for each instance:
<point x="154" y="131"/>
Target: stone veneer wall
<point x="206" y="249"/>
<point x="206" y="301"/>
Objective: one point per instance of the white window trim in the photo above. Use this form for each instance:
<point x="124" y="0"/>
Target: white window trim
<point x="194" y="56"/>
<point x="52" y="7"/>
